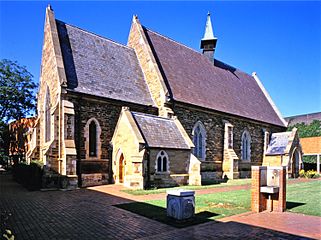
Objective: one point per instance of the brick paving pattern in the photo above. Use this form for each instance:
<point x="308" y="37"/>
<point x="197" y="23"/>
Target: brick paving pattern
<point x="89" y="214"/>
<point x="78" y="214"/>
<point x="303" y="225"/>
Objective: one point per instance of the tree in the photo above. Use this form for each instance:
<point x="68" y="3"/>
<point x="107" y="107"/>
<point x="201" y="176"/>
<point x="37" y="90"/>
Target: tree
<point x="17" y="99"/>
<point x="311" y="130"/>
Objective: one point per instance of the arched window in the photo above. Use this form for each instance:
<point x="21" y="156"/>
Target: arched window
<point x="246" y="146"/>
<point x="47" y="116"/>
<point x="199" y="140"/>
<point x="162" y="162"/>
<point x="92" y="139"/>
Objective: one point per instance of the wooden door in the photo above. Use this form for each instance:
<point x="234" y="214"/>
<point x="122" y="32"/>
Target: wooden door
<point x="121" y="168"/>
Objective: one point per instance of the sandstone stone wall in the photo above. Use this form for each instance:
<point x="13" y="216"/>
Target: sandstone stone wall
<point x="52" y="77"/>
<point x="139" y="42"/>
<point x="48" y="80"/>
<point x="126" y="141"/>
<point x="214" y="126"/>
<point x="275" y="161"/>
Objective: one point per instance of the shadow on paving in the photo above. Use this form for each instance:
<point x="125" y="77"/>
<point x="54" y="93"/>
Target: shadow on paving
<point x="89" y="214"/>
<point x="77" y="214"/>
<point x="159" y="214"/>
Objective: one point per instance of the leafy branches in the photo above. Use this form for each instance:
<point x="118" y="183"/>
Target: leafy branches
<point x="311" y="130"/>
<point x="17" y="97"/>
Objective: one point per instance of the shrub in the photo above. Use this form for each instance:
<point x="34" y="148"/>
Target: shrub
<point x="37" y="162"/>
<point x="302" y="173"/>
<point x="28" y="175"/>
<point x="309" y="174"/>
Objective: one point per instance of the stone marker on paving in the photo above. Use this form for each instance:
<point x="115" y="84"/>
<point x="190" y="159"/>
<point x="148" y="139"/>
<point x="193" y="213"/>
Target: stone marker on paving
<point x="180" y="204"/>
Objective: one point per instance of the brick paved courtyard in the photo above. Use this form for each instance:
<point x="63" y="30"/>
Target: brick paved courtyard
<point x="89" y="214"/>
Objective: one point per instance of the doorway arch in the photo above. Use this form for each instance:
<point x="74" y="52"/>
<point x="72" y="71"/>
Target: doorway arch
<point x="295" y="163"/>
<point x="121" y="168"/>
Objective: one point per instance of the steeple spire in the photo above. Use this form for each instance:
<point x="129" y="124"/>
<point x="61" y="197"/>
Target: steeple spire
<point x="208" y="28"/>
<point x="208" y="42"/>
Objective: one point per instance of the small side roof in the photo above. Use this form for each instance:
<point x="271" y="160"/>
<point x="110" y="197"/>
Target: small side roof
<point x="281" y="142"/>
<point x="278" y="143"/>
<point x="159" y="132"/>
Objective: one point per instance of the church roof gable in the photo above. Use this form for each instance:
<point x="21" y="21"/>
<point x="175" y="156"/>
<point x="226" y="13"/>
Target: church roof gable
<point x="192" y="78"/>
<point x="98" y="66"/>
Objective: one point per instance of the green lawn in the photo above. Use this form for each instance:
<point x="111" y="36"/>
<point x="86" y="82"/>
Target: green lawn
<point x="301" y="198"/>
<point x="304" y="198"/>
<point x="206" y="185"/>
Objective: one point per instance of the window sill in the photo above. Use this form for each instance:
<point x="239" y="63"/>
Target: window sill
<point x="245" y="161"/>
<point x="161" y="173"/>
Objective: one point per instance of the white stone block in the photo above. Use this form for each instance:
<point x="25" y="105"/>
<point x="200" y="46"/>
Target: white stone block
<point x="180" y="204"/>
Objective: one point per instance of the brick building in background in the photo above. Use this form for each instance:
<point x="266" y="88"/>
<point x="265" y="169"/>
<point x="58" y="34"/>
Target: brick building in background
<point x="97" y="95"/>
<point x="19" y="141"/>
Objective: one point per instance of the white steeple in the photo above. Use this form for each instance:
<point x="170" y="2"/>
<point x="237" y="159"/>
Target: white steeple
<point x="208" y="29"/>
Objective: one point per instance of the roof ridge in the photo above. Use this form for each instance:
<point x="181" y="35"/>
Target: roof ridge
<point x="95" y="34"/>
<point x="153" y="116"/>
<point x="170" y="39"/>
<point x="281" y="133"/>
<point x="306" y="114"/>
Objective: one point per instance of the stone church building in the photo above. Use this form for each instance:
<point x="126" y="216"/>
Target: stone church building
<point x="153" y="112"/>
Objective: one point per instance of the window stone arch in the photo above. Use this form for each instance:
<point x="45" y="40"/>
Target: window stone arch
<point x="92" y="139"/>
<point x="199" y="140"/>
<point x="162" y="162"/>
<point x="246" y="146"/>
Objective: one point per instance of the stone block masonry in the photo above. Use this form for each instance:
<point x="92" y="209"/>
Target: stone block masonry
<point x="214" y="125"/>
<point x="106" y="112"/>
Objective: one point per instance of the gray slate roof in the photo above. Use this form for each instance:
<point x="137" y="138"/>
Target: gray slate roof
<point x="98" y="66"/>
<point x="304" y="118"/>
<point x="159" y="132"/>
<point x="192" y="78"/>
<point x="278" y="143"/>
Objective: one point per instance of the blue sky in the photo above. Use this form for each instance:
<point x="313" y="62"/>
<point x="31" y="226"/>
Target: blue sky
<point x="281" y="41"/>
